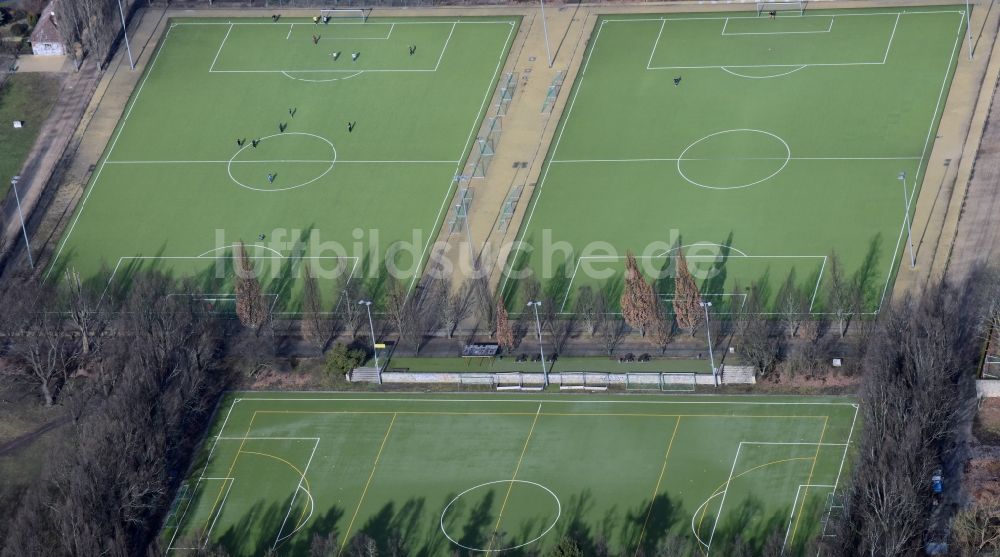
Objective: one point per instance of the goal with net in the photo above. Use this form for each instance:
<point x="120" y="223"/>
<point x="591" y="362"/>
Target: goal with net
<point x="793" y="6"/>
<point x="359" y="15"/>
<point x="519" y="381"/>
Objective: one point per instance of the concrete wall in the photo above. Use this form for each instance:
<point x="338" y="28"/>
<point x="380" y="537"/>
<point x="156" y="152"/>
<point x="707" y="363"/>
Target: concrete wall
<point x="535" y="379"/>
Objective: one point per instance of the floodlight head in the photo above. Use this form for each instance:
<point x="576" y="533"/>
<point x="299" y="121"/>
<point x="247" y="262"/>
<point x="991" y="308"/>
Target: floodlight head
<point x="365" y="302"/>
<point x="535" y="303"/>
<point x="705" y="304"/>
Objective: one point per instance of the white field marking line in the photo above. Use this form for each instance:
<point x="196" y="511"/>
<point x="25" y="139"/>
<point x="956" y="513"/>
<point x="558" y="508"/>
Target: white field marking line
<point x="665" y="159"/>
<point x="701" y="244"/>
<point x="723" y="34"/>
<point x="218" y="513"/>
<point x="719" y="18"/>
<point x="827" y="30"/>
<point x="465" y="148"/>
<point x="656" y="43"/>
<point x="121" y="127"/>
<point x="236" y="23"/>
<point x="204" y="256"/>
<point x="925" y="155"/>
<point x="737" y="74"/>
<point x="217" y="437"/>
<point x="180" y="521"/>
<point x="290" y="27"/>
<point x="846" y="446"/>
<point x="316" y="439"/>
<point x="649" y="65"/>
<point x="286" y="72"/>
<point x="791" y="517"/>
<point x="291" y="504"/>
<point x="213" y="250"/>
<point x="576" y="269"/>
<point x="892" y="36"/>
<point x="554" y="400"/>
<point x="285" y="160"/>
<point x="694" y="529"/>
<point x="445" y="47"/>
<point x="517" y="468"/>
<point x="722" y="504"/>
<point x="221" y="45"/>
<point x="565" y="121"/>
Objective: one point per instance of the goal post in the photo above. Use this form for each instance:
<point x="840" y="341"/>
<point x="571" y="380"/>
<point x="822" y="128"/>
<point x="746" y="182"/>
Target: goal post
<point x="357" y="14"/>
<point x="781" y="6"/>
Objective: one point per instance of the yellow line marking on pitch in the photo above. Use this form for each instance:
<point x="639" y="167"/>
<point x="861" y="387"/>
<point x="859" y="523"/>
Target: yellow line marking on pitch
<point x="719" y="490"/>
<point x="302" y="476"/>
<point x="656" y="489"/>
<point x="371" y="475"/>
<point x="229" y="474"/>
<point x="808" y="481"/>
<point x="517" y="468"/>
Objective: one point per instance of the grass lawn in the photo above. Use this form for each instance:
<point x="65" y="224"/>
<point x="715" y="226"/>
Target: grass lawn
<point x="28" y="97"/>
<point x="755" y="147"/>
<point x="176" y="190"/>
<point x="512" y="473"/>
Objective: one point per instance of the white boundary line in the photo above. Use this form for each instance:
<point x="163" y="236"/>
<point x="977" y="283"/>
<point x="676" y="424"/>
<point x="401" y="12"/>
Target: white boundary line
<point x="740" y="255"/>
<point x="121" y="127"/>
<point x="555" y="400"/>
<point x="925" y="156"/>
<point x="278" y="161"/>
<point x="891" y="37"/>
<point x="921" y="159"/>
<point x="439" y="219"/>
<point x="278" y="539"/>
<point x="565" y="161"/>
<point x="656" y="43"/>
<point x="218" y="513"/>
<point x="795" y="502"/>
<point x="286" y="72"/>
<point x="722" y="504"/>
<point x="221" y="45"/>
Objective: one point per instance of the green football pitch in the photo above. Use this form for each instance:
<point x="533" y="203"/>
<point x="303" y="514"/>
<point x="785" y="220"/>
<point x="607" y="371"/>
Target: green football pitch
<point x="512" y="473"/>
<point x="174" y="190"/>
<point x="757" y="147"/>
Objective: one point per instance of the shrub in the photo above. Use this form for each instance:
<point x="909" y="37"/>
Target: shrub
<point x="343" y="358"/>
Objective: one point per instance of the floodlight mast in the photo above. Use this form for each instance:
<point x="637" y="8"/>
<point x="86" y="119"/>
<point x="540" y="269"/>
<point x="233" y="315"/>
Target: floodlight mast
<point x="20" y="214"/>
<point x="541" y="349"/>
<point x="906" y="218"/>
<point x="708" y="331"/>
<point x="371" y="325"/>
<point x="545" y="30"/>
<point x="128" y="48"/>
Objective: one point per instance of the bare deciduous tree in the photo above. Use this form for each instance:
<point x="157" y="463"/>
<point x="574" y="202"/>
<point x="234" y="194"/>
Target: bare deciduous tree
<point x="504" y="329"/>
<point x="251" y="307"/>
<point x="586" y="309"/>
<point x="638" y="301"/>
<point x="687" y="298"/>
<point x="316" y="326"/>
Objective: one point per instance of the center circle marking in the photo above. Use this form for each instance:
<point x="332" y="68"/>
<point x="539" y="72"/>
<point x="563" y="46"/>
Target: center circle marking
<point x="333" y="161"/>
<point x="680" y="159"/>
<point x="531" y="541"/>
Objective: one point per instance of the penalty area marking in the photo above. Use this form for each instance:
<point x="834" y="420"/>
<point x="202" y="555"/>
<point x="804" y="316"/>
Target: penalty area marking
<point x="740" y="254"/>
<point x="531" y="541"/>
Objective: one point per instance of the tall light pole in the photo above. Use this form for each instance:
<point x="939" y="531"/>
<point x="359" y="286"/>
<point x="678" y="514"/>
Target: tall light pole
<point x="541" y="350"/>
<point x="371" y="325"/>
<point x="711" y="352"/>
<point x="125" y="31"/>
<point x="545" y="29"/>
<point x="24" y="230"/>
<point x="906" y="219"/>
<point x="968" y="26"/>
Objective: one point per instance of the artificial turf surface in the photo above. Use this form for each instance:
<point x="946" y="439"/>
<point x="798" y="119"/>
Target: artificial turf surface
<point x="174" y="190"/>
<point x="780" y="145"/>
<point x="439" y="473"/>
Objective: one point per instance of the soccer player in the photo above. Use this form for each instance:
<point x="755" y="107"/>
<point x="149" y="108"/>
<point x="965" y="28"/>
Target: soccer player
<point x="677" y="81"/>
<point x="240" y="142"/>
<point x="413" y="48"/>
<point x="335" y="55"/>
<point x="282" y="126"/>
<point x="292" y="111"/>
<point x="254" y="142"/>
<point x="315" y="39"/>
<point x="326" y="20"/>
<point x="261" y="237"/>
<point x="773" y="14"/>
<point x="350" y="126"/>
<point x="354" y="56"/>
<point x="270" y="177"/>
<point x="315" y="19"/>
